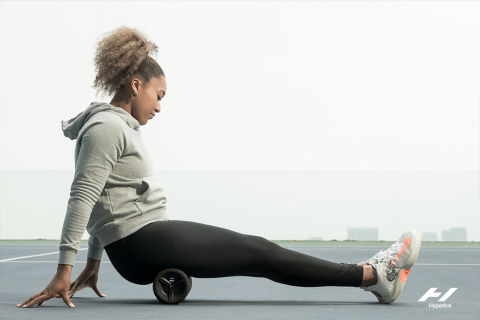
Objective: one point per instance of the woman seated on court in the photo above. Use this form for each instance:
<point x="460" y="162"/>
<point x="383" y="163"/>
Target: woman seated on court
<point x="118" y="200"/>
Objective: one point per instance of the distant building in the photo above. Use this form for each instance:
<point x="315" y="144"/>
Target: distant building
<point x="363" y="234"/>
<point x="455" y="234"/>
<point x="429" y="236"/>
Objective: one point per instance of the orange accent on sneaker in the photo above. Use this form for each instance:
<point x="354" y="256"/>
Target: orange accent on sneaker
<point x="404" y="275"/>
<point x="407" y="243"/>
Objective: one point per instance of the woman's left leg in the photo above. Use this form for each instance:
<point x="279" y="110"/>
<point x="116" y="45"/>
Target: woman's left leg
<point x="206" y="251"/>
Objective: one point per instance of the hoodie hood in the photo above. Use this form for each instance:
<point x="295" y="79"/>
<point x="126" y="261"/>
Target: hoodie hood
<point x="72" y="127"/>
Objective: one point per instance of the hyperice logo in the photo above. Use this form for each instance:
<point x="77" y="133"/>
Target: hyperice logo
<point x="432" y="294"/>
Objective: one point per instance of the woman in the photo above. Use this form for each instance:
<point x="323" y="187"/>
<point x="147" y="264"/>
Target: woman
<point x="116" y="197"/>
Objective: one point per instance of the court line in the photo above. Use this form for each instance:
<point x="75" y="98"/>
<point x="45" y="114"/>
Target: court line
<point x="298" y="248"/>
<point x="4" y="247"/>
<point x="417" y="264"/>
<point x="447" y="264"/>
<point x="52" y="261"/>
<point x="36" y="255"/>
<point x="376" y="248"/>
<point x="30" y="248"/>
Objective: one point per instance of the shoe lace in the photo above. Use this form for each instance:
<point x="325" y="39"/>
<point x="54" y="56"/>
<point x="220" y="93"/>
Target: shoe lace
<point x="385" y="254"/>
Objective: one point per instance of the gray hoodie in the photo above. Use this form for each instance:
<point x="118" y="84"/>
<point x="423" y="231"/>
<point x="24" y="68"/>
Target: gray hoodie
<point x="114" y="192"/>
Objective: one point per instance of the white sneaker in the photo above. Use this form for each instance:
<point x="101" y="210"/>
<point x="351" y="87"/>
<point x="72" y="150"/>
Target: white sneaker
<point x="393" y="266"/>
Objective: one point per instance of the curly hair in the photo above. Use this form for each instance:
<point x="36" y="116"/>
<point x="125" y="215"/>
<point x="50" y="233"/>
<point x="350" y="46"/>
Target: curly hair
<point x="120" y="54"/>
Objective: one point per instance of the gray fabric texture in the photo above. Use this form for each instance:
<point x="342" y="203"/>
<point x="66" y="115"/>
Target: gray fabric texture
<point x="114" y="192"/>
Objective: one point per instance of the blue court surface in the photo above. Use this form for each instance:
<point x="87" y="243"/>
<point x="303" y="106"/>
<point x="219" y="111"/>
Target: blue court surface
<point x="27" y="267"/>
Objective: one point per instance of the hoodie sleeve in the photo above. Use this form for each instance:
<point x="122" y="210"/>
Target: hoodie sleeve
<point x="101" y="145"/>
<point x="95" y="249"/>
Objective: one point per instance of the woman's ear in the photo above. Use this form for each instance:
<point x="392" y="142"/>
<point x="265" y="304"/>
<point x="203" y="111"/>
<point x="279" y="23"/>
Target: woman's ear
<point x="135" y="83"/>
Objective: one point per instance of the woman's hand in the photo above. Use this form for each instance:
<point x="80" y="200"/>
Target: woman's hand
<point x="86" y="279"/>
<point x="57" y="287"/>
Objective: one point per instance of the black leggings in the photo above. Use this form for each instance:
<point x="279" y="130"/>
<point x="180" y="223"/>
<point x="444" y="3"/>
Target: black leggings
<point x="205" y="251"/>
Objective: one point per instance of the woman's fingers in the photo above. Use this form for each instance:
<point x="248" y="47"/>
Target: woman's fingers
<point x="97" y="291"/>
<point x="30" y="299"/>
<point x="36" y="300"/>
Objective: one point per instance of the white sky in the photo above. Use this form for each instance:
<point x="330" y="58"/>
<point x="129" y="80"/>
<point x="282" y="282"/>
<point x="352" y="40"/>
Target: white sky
<point x="254" y="85"/>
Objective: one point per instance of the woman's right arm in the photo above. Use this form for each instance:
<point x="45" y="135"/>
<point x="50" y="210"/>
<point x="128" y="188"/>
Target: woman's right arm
<point x="102" y="143"/>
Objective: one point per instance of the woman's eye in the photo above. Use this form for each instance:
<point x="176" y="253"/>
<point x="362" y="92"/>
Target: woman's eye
<point x="159" y="98"/>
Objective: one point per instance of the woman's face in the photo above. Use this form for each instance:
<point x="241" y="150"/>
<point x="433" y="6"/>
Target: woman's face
<point x="147" y="103"/>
